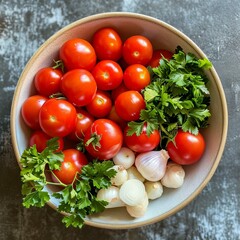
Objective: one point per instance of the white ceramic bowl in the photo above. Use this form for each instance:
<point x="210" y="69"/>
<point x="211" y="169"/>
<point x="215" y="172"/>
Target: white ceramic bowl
<point x="163" y="36"/>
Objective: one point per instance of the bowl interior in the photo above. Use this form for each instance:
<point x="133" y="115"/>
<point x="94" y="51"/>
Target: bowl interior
<point x="163" y="36"/>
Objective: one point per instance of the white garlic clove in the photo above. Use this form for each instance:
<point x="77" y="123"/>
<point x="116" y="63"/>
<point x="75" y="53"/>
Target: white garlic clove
<point x="120" y="177"/>
<point x="111" y="195"/>
<point x="154" y="190"/>
<point x="124" y="157"/>
<point x="152" y="165"/>
<point x="133" y="173"/>
<point x="174" y="176"/>
<point x="132" y="192"/>
<point x="139" y="210"/>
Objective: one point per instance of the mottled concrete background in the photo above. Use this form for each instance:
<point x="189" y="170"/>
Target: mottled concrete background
<point x="214" y="25"/>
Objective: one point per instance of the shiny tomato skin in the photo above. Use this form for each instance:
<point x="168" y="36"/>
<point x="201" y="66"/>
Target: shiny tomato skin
<point x="129" y="104"/>
<point x="117" y="91"/>
<point x="136" y="77"/>
<point x="108" y="74"/>
<point x="101" y="104"/>
<point x="107" y="44"/>
<point x="83" y="122"/>
<point x="114" y="117"/>
<point x="72" y="164"/>
<point x="188" y="148"/>
<point x="48" y="81"/>
<point x="137" y="49"/>
<point x="143" y="142"/>
<point x="79" y="86"/>
<point x="110" y="139"/>
<point x="57" y="117"/>
<point x="30" y="110"/>
<point x="40" y="138"/>
<point x="78" y="53"/>
<point x="157" y="56"/>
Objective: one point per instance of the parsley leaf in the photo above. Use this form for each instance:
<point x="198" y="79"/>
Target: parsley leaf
<point x="177" y="96"/>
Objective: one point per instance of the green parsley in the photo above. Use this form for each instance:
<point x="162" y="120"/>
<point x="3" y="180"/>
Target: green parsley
<point x="76" y="200"/>
<point x="177" y="97"/>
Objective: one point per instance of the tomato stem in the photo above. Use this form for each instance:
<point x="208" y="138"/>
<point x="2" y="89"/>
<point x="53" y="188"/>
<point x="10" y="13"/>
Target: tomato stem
<point x="94" y="140"/>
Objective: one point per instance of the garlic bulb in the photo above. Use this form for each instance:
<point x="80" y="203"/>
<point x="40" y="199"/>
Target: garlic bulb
<point x="132" y="192"/>
<point x="174" y="176"/>
<point x="139" y="210"/>
<point x="153" y="189"/>
<point x="133" y="173"/>
<point x="124" y="157"/>
<point x="152" y="165"/>
<point x="111" y="195"/>
<point x="121" y="175"/>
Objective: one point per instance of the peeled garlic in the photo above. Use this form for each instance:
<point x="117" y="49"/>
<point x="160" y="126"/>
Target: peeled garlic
<point x="121" y="175"/>
<point x="132" y="192"/>
<point x="153" y="189"/>
<point x="139" y="210"/>
<point x="133" y="173"/>
<point x="174" y="176"/>
<point x="152" y="165"/>
<point x="124" y="157"/>
<point x="111" y="195"/>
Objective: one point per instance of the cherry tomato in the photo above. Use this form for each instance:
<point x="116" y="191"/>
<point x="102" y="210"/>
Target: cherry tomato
<point x="57" y="117"/>
<point x="103" y="139"/>
<point x="188" y="148"/>
<point x="157" y="56"/>
<point x="107" y="44"/>
<point x="39" y="138"/>
<point x="129" y="105"/>
<point x="136" y="77"/>
<point x="48" y="80"/>
<point x="137" y="49"/>
<point x="30" y="110"/>
<point x="108" y="74"/>
<point x="72" y="164"/>
<point x="84" y="121"/>
<point x="101" y="105"/>
<point x="117" y="91"/>
<point x="143" y="142"/>
<point x="78" y="53"/>
<point x="79" y="86"/>
<point x="114" y="117"/>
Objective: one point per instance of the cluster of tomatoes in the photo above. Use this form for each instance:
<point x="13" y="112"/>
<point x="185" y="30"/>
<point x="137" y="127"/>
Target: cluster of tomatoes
<point x="101" y="85"/>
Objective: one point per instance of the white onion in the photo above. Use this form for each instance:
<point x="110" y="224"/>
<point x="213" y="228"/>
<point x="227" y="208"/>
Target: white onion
<point x="152" y="165"/>
<point x="121" y="175"/>
<point x="133" y="173"/>
<point x="154" y="190"/>
<point x="124" y="157"/>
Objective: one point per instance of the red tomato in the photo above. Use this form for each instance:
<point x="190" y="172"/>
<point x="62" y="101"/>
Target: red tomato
<point x="114" y="117"/>
<point x="57" y="117"/>
<point x="72" y="164"/>
<point x="129" y="105"/>
<point x="48" y="80"/>
<point x="143" y="142"/>
<point x="103" y="139"/>
<point x="107" y="44"/>
<point x="39" y="138"/>
<point x="78" y="53"/>
<point x="107" y="74"/>
<point x="30" y="110"/>
<point x="101" y="105"/>
<point x="137" y="49"/>
<point x="84" y="121"/>
<point x="136" y="77"/>
<point x="157" y="56"/>
<point x="117" y="91"/>
<point x="79" y="86"/>
<point x="188" y="148"/>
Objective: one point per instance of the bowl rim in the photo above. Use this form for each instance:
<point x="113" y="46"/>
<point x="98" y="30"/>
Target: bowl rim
<point x="181" y="35"/>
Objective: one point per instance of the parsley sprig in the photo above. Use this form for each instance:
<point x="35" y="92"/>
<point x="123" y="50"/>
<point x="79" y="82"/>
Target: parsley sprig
<point x="76" y="200"/>
<point x="177" y="97"/>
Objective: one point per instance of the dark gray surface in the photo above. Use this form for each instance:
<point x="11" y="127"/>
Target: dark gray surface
<point x="214" y="25"/>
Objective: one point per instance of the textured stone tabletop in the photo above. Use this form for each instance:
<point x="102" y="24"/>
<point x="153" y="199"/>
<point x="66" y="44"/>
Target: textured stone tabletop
<point x="214" y="25"/>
